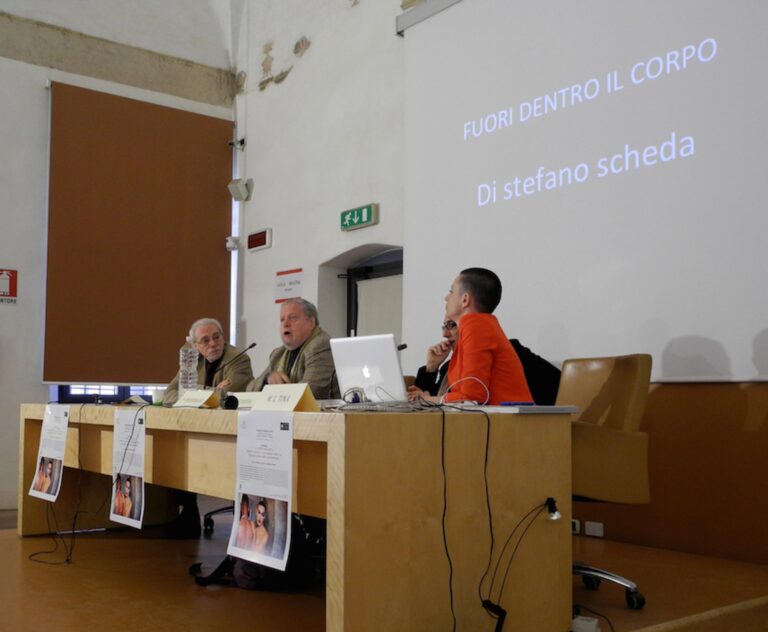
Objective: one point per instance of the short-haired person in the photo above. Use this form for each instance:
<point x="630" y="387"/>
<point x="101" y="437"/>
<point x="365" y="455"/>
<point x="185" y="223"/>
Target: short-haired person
<point x="543" y="377"/>
<point x="223" y="367"/>
<point x="305" y="355"/>
<point x="484" y="367"/>
<point x="218" y="365"/>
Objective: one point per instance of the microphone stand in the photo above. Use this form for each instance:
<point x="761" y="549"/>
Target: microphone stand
<point x="226" y="364"/>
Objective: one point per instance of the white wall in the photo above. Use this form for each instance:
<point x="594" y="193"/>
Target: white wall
<point x="23" y="182"/>
<point x="23" y="211"/>
<point x="197" y="30"/>
<point x="326" y="139"/>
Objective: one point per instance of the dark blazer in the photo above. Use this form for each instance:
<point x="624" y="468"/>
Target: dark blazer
<point x="543" y="378"/>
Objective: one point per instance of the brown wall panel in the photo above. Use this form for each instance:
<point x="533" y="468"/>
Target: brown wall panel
<point x="138" y="216"/>
<point x="708" y="457"/>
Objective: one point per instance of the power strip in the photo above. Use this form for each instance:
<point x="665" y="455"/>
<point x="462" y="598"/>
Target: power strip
<point x="584" y="624"/>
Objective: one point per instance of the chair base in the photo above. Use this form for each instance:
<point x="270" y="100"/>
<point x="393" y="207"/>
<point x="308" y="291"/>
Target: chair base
<point x="208" y="524"/>
<point x="593" y="577"/>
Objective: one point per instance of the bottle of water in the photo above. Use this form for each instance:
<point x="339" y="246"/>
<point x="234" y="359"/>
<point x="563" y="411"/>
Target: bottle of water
<point x="187" y="367"/>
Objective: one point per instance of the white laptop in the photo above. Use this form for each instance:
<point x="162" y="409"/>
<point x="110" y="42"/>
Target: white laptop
<point x="370" y="363"/>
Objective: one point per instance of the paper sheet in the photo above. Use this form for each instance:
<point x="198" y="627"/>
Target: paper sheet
<point x="50" y="454"/>
<point x="127" y="505"/>
<point x="261" y="529"/>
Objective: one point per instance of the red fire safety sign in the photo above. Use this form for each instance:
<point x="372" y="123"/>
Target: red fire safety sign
<point x="9" y="286"/>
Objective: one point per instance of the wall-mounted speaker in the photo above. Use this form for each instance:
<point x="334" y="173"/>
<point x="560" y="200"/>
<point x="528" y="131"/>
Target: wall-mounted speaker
<point x="241" y="189"/>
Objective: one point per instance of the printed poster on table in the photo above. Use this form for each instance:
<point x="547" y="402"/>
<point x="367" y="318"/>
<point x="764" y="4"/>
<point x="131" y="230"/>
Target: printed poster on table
<point x="128" y="467"/>
<point x="50" y="454"/>
<point x="261" y="530"/>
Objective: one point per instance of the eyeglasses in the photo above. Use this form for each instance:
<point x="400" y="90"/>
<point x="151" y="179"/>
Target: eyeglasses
<point x="448" y="324"/>
<point x="206" y="340"/>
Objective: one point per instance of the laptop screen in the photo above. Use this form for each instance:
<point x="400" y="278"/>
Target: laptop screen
<point x="369" y="363"/>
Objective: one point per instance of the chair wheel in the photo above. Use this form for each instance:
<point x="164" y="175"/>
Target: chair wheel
<point x="591" y="583"/>
<point x="635" y="600"/>
<point x="208" y="525"/>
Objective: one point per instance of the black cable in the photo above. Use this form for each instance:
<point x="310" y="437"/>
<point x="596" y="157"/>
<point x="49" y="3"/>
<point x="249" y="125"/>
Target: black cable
<point x="33" y="556"/>
<point x="69" y="550"/>
<point x="495" y="611"/>
<point x="487" y="502"/>
<point x="130" y="436"/>
<point x="443" y="408"/>
<point x="506" y="544"/>
<point x="55" y="537"/>
<point x="512" y="557"/>
<point x="445" y="512"/>
<point x="122" y="461"/>
<point x="79" y="486"/>
<point x="602" y="616"/>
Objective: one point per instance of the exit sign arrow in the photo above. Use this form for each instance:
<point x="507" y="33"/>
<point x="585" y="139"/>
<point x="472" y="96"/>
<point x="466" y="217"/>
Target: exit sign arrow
<point x="360" y="217"/>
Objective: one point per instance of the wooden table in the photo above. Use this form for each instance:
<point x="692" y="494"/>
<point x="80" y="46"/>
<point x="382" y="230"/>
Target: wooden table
<point x="377" y="478"/>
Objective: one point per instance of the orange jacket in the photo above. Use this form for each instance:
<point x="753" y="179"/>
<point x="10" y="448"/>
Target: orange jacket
<point x="483" y="351"/>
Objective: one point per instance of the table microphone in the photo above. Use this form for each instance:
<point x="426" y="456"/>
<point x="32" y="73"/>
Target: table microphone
<point x="230" y="402"/>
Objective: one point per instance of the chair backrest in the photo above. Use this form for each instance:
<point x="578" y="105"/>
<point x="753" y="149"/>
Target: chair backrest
<point x="610" y="392"/>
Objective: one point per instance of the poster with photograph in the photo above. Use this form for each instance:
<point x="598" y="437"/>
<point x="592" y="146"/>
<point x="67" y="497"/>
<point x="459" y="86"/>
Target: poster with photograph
<point x="127" y="505"/>
<point x="261" y="529"/>
<point x="49" y="469"/>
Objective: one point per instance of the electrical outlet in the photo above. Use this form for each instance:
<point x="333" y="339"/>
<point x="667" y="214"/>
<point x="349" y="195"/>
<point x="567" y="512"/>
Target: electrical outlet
<point x="594" y="529"/>
<point x="575" y="526"/>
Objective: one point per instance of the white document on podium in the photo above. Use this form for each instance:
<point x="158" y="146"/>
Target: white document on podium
<point x="261" y="529"/>
<point x="128" y="467"/>
<point x="50" y="454"/>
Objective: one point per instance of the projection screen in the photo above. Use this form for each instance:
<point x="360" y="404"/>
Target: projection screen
<point x="606" y="159"/>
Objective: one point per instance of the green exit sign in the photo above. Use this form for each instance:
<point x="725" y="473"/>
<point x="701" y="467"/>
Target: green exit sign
<point x="360" y="217"/>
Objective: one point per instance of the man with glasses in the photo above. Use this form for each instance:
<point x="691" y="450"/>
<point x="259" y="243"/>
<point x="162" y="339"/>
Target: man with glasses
<point x="542" y="376"/>
<point x="218" y="365"/>
<point x="430" y="379"/>
<point x="305" y="355"/>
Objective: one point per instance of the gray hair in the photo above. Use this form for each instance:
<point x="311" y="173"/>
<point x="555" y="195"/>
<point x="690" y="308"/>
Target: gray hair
<point x="204" y="322"/>
<point x="310" y="311"/>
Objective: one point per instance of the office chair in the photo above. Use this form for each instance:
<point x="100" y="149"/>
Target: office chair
<point x="609" y="454"/>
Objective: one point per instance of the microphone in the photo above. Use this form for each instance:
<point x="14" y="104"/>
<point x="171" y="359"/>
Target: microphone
<point x="248" y="348"/>
<point x="230" y="402"/>
<point x="402" y="346"/>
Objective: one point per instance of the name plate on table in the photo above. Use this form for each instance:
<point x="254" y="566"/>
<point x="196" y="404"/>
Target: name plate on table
<point x="288" y="397"/>
<point x="198" y="398"/>
<point x="248" y="400"/>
